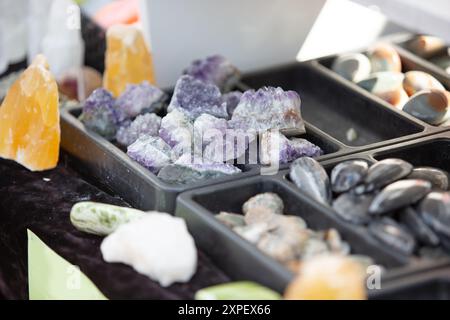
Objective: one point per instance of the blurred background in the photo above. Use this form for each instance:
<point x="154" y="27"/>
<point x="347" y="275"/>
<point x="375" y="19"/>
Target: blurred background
<point x="251" y="33"/>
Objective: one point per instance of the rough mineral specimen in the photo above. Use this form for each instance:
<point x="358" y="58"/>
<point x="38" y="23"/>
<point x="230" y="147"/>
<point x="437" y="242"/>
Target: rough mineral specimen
<point x="177" y="131"/>
<point x="268" y="108"/>
<point x="216" y="70"/>
<point x="128" y="59"/>
<point x="100" y="115"/>
<point x="151" y="152"/>
<point x="29" y="119"/>
<point x="183" y="172"/>
<point x="207" y="128"/>
<point x="146" y="124"/>
<point x="275" y="146"/>
<point x="232" y="146"/>
<point x="140" y="98"/>
<point x="232" y="100"/>
<point x="196" y="97"/>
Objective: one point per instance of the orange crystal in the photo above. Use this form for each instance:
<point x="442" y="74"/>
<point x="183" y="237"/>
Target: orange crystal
<point x="128" y="59"/>
<point x="328" y="277"/>
<point x="29" y="119"/>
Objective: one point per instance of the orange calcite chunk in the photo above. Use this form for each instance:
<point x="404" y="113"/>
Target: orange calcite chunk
<point x="328" y="277"/>
<point x="29" y="119"/>
<point x="128" y="59"/>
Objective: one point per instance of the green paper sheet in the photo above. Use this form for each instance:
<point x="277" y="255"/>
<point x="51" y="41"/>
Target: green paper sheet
<point x="50" y="277"/>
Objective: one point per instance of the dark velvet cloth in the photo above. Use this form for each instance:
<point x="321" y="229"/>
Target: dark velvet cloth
<point x="28" y="201"/>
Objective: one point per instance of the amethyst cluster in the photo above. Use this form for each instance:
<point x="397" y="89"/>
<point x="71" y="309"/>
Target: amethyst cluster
<point x="110" y="117"/>
<point x="276" y="147"/>
<point x="269" y="108"/>
<point x="101" y="115"/>
<point x="196" y="97"/>
<point x="215" y="70"/>
<point x="141" y="98"/>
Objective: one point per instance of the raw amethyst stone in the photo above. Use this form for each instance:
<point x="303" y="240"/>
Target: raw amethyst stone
<point x="275" y="146"/>
<point x="216" y="70"/>
<point x="208" y="128"/>
<point x="177" y="131"/>
<point x="100" y="115"/>
<point x="151" y="152"/>
<point x="232" y="100"/>
<point x="140" y="98"/>
<point x="196" y="97"/>
<point x="269" y="108"/>
<point x="183" y="172"/>
<point x="146" y="124"/>
<point x="304" y="148"/>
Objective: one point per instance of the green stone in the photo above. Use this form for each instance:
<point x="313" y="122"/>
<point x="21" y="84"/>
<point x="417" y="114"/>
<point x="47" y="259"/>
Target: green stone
<point x="244" y="290"/>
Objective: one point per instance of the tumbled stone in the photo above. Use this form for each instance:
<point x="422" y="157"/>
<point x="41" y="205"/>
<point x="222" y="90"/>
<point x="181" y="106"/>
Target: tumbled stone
<point x="140" y="98"/>
<point x="276" y="147"/>
<point x="426" y="46"/>
<point x="216" y="70"/>
<point x="146" y="124"/>
<point x="385" y="58"/>
<point x="196" y="97"/>
<point x="100" y="114"/>
<point x="177" y="131"/>
<point x="232" y="100"/>
<point x="354" y="66"/>
<point x="416" y="81"/>
<point x="431" y="106"/>
<point x="151" y="152"/>
<point x="387" y="86"/>
<point x="269" y="108"/>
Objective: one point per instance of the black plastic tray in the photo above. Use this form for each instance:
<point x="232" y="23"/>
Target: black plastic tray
<point x="107" y="162"/>
<point x="409" y="62"/>
<point x="243" y="260"/>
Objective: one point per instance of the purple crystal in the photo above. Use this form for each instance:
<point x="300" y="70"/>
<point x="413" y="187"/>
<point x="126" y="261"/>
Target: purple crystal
<point x="304" y="148"/>
<point x="146" y="124"/>
<point x="140" y="98"/>
<point x="275" y="146"/>
<point x="232" y="100"/>
<point x="196" y="98"/>
<point x="268" y="108"/>
<point x="208" y="128"/>
<point x="100" y="115"/>
<point x="177" y="131"/>
<point x="183" y="172"/>
<point x="151" y="152"/>
<point x="232" y="146"/>
<point x="216" y="70"/>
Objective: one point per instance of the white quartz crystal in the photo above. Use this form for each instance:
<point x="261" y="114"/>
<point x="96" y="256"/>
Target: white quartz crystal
<point x="157" y="245"/>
